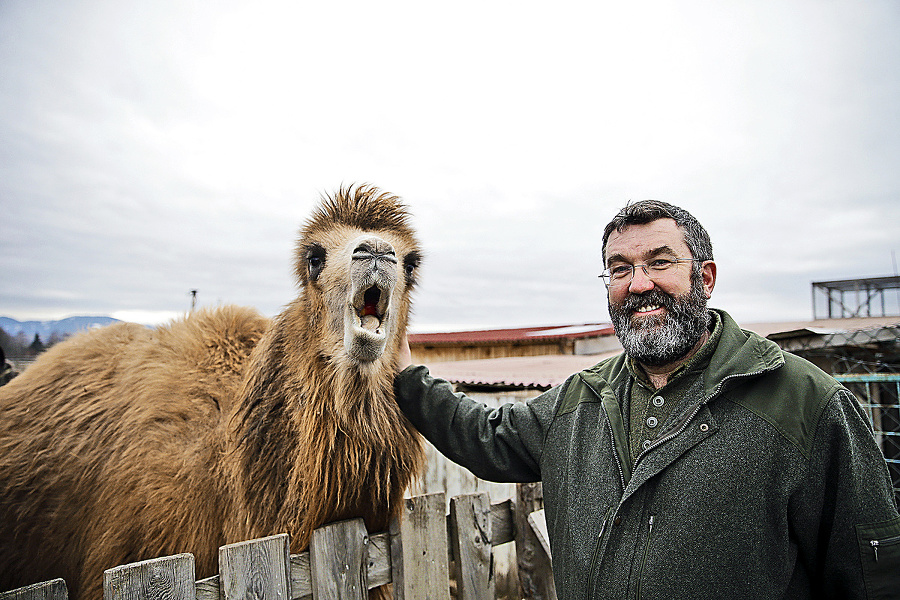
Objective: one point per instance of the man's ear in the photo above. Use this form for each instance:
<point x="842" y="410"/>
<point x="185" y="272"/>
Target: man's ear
<point x="708" y="271"/>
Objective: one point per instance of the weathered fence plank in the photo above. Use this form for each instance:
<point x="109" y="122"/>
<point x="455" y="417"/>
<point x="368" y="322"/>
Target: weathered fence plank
<point x="419" y="562"/>
<point x="210" y="589"/>
<point x="535" y="574"/>
<point x="48" y="590"/>
<point x="470" y="526"/>
<point x="166" y="578"/>
<point x="503" y="522"/>
<point x="538" y="522"/>
<point x="413" y="555"/>
<point x="301" y="576"/>
<point x="379" y="559"/>
<point x="339" y="561"/>
<point x="256" y="570"/>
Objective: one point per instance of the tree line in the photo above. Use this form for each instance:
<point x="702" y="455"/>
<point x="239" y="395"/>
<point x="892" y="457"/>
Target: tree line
<point x="21" y="346"/>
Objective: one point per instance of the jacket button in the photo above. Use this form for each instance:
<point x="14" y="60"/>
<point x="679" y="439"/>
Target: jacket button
<point x="658" y="401"/>
<point x="704" y="427"/>
<point x="646" y="444"/>
<point x="652" y="422"/>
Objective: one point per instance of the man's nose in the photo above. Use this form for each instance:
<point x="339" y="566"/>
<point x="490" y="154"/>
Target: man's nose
<point x="640" y="282"/>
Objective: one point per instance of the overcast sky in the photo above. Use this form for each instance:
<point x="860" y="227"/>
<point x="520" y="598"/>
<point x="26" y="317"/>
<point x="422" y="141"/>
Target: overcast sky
<point x="151" y="148"/>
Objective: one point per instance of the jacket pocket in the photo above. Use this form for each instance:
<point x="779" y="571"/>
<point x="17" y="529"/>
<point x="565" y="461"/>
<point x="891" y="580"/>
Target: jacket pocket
<point x="879" y="546"/>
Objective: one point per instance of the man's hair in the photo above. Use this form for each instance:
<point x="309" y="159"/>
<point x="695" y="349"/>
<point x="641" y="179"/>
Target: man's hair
<point x="646" y="211"/>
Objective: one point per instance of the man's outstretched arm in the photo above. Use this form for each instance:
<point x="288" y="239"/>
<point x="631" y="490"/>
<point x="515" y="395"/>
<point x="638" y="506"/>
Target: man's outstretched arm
<point x="496" y="444"/>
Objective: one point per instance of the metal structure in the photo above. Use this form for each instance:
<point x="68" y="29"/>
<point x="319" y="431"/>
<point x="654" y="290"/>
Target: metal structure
<point x="879" y="395"/>
<point x="866" y="297"/>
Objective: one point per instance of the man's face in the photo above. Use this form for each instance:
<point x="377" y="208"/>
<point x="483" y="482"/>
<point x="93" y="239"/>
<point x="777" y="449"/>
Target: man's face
<point x="658" y="320"/>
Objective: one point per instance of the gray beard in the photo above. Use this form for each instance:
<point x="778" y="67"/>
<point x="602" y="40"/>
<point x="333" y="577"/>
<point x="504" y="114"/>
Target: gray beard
<point x="660" y="340"/>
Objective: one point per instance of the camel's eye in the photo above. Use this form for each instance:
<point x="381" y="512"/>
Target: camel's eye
<point x="410" y="263"/>
<point x="315" y="260"/>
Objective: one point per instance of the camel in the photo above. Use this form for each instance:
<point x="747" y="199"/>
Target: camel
<point x="128" y="443"/>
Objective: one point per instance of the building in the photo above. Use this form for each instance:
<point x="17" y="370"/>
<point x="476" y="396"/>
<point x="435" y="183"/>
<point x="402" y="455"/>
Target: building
<point x="591" y="338"/>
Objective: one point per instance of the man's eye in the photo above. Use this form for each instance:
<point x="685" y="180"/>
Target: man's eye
<point x="620" y="270"/>
<point x="661" y="264"/>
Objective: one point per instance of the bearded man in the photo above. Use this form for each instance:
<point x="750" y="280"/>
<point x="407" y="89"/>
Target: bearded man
<point x="703" y="462"/>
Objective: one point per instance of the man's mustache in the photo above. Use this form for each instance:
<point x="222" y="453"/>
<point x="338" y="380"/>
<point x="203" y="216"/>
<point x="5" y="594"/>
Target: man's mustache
<point x="635" y="301"/>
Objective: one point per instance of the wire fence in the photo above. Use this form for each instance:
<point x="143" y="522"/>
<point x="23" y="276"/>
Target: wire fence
<point x="879" y="395"/>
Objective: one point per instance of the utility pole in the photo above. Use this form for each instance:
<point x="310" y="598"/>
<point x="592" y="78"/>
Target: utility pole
<point x="894" y="260"/>
<point x="193" y="300"/>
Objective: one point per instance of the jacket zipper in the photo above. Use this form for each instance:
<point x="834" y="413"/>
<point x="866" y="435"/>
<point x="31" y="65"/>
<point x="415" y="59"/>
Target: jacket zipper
<point x="640" y="577"/>
<point x="885" y="542"/>
<point x="615" y="453"/>
<point x="592" y="576"/>
<point x="612" y="438"/>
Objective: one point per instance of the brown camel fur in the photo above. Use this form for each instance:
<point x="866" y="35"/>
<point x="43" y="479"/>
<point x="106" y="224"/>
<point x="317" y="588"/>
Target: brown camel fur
<point x="128" y="443"/>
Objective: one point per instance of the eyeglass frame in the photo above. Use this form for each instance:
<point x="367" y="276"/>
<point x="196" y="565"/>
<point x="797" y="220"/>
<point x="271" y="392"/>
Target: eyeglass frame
<point x="606" y="275"/>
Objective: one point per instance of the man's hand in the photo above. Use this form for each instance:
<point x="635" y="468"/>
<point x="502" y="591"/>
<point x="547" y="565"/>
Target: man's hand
<point x="405" y="358"/>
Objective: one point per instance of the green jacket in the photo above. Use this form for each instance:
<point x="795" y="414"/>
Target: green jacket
<point x="6" y="373"/>
<point x="766" y="481"/>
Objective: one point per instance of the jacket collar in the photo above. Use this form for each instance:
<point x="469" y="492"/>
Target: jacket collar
<point x="740" y="354"/>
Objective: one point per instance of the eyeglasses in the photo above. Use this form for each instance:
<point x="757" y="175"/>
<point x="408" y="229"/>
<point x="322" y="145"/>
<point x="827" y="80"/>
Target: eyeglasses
<point x="622" y="274"/>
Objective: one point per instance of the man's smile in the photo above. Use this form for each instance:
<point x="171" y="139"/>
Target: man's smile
<point x="647" y="308"/>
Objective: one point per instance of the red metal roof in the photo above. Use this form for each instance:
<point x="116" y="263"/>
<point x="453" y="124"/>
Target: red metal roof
<point x="522" y="334"/>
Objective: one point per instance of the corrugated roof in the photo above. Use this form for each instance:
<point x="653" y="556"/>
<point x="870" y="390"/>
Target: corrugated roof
<point x="521" y="334"/>
<point x="819" y="326"/>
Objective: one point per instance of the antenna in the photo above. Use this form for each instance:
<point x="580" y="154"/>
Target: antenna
<point x="894" y="260"/>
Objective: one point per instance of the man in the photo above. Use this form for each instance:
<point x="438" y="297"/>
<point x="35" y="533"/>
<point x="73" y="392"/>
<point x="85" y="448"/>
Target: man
<point x="6" y="371"/>
<point x="703" y="463"/>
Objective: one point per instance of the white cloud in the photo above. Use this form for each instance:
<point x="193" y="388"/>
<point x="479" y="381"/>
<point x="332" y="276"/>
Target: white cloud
<point x="147" y="317"/>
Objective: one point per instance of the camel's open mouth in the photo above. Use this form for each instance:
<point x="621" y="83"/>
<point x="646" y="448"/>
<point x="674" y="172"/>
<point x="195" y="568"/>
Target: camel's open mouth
<point x="371" y="309"/>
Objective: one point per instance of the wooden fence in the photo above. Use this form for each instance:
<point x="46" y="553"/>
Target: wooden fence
<point x="420" y="555"/>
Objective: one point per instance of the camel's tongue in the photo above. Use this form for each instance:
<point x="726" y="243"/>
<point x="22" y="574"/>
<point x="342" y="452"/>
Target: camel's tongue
<point x="370" y="318"/>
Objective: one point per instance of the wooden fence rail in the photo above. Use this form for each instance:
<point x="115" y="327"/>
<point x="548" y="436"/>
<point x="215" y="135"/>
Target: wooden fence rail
<point x="419" y="555"/>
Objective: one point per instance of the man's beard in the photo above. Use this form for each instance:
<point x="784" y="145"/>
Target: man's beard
<point x="661" y="339"/>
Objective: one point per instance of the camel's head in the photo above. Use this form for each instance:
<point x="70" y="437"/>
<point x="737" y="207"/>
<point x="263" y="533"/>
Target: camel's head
<point x="356" y="261"/>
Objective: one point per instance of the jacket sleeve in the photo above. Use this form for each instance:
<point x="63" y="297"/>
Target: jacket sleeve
<point x="846" y="515"/>
<point x="496" y="444"/>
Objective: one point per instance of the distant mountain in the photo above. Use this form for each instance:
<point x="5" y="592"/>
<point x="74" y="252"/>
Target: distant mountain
<point x="45" y="329"/>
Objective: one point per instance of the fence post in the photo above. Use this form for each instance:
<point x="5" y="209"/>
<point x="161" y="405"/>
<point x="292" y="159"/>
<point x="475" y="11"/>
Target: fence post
<point x="419" y="550"/>
<point x="535" y="572"/>
<point x="166" y="578"/>
<point x="47" y="590"/>
<point x="339" y="561"/>
<point x="470" y="539"/>
<point x="256" y="570"/>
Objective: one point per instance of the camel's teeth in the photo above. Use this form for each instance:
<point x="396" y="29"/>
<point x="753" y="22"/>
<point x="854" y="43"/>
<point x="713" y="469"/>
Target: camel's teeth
<point x="370" y="322"/>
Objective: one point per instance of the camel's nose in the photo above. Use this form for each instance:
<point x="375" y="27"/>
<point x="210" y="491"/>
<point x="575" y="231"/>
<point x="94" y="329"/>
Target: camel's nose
<point x="373" y="247"/>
